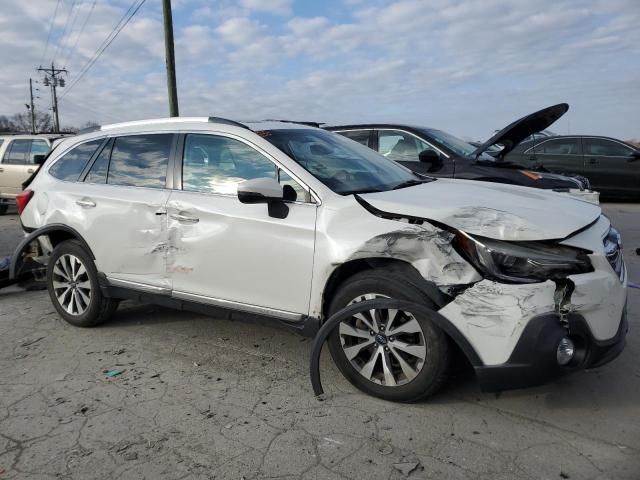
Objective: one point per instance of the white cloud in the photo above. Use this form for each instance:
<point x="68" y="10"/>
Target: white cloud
<point x="465" y="66"/>
<point x="279" y="7"/>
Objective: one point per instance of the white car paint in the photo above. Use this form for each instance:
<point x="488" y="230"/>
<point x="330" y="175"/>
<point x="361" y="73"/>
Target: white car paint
<point x="237" y="255"/>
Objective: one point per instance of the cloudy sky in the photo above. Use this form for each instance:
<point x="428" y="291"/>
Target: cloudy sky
<point x="468" y="67"/>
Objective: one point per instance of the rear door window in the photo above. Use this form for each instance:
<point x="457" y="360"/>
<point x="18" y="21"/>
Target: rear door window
<point x="140" y="160"/>
<point x="17" y="152"/>
<point x="99" y="169"/>
<point x="606" y="148"/>
<point x="38" y="147"/>
<point x="360" y="136"/>
<point x="71" y="164"/>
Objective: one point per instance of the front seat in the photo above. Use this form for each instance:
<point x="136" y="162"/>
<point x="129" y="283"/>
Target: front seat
<point x="405" y="148"/>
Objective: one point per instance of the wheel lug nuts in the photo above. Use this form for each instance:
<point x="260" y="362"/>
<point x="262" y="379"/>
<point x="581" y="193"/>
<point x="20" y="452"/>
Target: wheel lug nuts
<point x="381" y="327"/>
<point x="386" y="349"/>
<point x="391" y="339"/>
<point x="372" y="333"/>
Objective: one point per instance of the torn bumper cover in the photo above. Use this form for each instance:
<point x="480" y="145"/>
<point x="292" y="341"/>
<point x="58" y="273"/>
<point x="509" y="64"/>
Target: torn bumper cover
<point x="533" y="361"/>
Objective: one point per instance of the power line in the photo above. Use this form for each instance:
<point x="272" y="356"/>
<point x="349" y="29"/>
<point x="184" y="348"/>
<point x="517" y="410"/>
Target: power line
<point x="53" y="19"/>
<point x="75" y="45"/>
<point x="110" y="38"/>
<point x="64" y="30"/>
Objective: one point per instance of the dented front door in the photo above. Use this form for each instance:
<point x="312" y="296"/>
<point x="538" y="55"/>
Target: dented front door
<point x="237" y="255"/>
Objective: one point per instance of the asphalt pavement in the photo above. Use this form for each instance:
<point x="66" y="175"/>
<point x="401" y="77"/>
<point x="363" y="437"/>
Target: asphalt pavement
<point x="196" y="397"/>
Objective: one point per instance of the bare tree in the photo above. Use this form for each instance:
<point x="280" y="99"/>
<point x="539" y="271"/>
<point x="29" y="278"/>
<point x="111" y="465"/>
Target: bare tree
<point x="21" y="123"/>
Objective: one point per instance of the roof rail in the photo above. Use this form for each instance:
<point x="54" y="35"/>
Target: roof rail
<point x="309" y="124"/>
<point x="94" y="128"/>
<point x="226" y="121"/>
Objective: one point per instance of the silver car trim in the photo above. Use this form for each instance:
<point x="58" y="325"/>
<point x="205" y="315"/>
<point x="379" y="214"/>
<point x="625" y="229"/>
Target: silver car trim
<point x="116" y="282"/>
<point x="245" y="307"/>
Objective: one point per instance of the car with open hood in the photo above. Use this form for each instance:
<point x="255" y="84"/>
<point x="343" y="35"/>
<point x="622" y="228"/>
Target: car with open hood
<point x="436" y="153"/>
<point x="295" y="224"/>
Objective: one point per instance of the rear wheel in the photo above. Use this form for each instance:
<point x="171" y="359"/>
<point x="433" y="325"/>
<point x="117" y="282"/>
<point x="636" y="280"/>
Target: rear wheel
<point x="72" y="281"/>
<point x="393" y="354"/>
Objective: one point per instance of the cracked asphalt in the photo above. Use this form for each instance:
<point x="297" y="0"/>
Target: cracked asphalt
<point x="201" y="398"/>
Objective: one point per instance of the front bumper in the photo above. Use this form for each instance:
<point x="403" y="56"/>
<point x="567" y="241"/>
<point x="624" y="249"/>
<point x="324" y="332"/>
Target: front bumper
<point x="533" y="361"/>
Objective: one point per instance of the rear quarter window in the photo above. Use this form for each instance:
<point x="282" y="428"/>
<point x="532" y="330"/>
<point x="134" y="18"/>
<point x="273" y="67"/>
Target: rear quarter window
<point x="71" y="164"/>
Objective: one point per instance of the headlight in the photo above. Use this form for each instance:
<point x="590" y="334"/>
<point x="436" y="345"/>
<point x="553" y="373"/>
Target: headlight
<point x="521" y="262"/>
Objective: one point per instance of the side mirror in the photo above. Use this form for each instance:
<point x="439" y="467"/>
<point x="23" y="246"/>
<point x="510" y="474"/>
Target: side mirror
<point x="431" y="157"/>
<point x="260" y="190"/>
<point x="39" y="159"/>
<point x="635" y="156"/>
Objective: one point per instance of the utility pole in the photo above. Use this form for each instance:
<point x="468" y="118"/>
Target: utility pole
<point x="33" y="112"/>
<point x="52" y="79"/>
<point x="170" y="58"/>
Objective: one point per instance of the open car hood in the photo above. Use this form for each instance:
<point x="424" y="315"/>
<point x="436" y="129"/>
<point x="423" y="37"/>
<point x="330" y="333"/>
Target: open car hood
<point x="514" y="133"/>
<point x="493" y="210"/>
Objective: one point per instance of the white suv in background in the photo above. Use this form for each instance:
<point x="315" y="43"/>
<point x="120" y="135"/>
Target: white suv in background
<point x="17" y="163"/>
<point x="295" y="223"/>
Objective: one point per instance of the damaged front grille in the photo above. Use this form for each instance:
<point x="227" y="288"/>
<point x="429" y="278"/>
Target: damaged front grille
<point x="613" y="252"/>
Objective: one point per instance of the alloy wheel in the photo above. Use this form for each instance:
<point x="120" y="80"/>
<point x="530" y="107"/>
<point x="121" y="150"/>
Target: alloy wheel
<point x="385" y="346"/>
<point x="71" y="284"/>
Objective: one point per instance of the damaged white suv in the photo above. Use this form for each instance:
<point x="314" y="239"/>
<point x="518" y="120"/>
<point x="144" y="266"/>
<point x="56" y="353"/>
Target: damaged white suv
<point x="294" y="223"/>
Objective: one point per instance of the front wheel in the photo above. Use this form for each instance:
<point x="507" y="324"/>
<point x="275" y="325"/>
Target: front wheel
<point x="72" y="281"/>
<point x="391" y="354"/>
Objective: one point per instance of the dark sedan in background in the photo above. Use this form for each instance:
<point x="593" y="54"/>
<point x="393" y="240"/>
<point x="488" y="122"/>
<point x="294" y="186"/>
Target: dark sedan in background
<point x="437" y="153"/>
<point x="612" y="166"/>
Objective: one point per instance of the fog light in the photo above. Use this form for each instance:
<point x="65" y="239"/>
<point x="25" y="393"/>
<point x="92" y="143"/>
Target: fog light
<point x="565" y="351"/>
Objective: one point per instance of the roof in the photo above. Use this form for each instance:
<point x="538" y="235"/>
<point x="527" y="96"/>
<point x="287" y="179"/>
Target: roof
<point x="167" y="122"/>
<point x="357" y="126"/>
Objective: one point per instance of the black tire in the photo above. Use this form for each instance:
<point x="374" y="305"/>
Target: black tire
<point x="3" y="208"/>
<point x="396" y="285"/>
<point x="99" y="308"/>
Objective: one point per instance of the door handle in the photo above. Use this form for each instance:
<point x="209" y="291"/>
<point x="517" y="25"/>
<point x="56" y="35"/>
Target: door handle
<point x="593" y="160"/>
<point x="86" y="203"/>
<point x="184" y="218"/>
<point x="30" y="170"/>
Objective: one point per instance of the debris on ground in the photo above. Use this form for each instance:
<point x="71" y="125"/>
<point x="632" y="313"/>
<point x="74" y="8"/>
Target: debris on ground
<point x="113" y="373"/>
<point x="26" y="343"/>
<point x="406" y="468"/>
<point x="130" y="456"/>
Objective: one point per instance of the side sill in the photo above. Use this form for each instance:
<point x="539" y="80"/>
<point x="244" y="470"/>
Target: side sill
<point x="303" y="325"/>
<point x="254" y="309"/>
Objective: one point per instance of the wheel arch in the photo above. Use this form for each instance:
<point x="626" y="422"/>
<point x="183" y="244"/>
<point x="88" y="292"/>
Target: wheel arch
<point x="56" y="232"/>
<point x="346" y="270"/>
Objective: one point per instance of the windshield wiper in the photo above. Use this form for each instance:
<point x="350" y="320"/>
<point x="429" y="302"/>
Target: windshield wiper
<point x="409" y="183"/>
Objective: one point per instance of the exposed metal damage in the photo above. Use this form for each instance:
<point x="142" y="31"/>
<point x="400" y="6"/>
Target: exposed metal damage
<point x="425" y="247"/>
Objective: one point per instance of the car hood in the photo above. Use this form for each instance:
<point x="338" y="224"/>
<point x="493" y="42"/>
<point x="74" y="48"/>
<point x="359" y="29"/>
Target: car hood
<point x="510" y="136"/>
<point x="493" y="210"/>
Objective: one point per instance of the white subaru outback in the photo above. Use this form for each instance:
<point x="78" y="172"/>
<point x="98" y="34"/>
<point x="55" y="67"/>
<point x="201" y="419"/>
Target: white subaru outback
<point x="294" y="223"/>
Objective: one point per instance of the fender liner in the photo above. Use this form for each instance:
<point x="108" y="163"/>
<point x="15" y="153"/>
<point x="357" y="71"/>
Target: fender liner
<point x="349" y="311"/>
<point x="16" y="258"/>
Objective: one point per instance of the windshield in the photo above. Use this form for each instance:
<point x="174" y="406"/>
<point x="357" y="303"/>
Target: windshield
<point x="343" y="165"/>
<point x="455" y="144"/>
